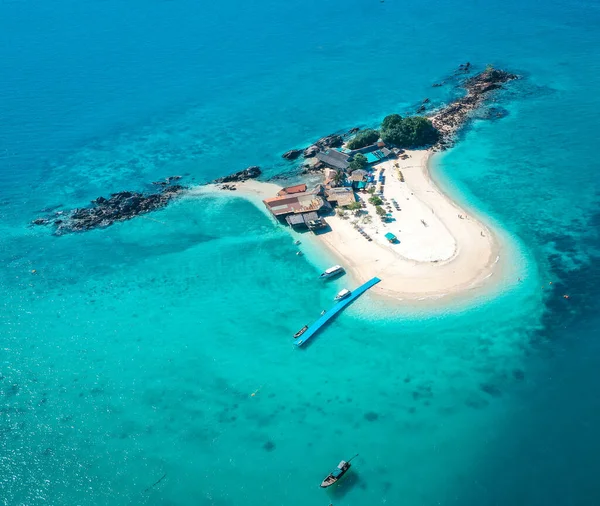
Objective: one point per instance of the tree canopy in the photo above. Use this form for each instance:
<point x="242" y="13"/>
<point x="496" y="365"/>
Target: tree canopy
<point x="375" y="200"/>
<point x="355" y="206"/>
<point x="339" y="177"/>
<point x="359" y="161"/>
<point x="410" y="132"/>
<point x="363" y="138"/>
<point x="391" y="121"/>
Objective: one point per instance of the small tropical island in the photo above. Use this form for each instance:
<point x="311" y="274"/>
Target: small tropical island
<point x="376" y="207"/>
<point x="365" y="194"/>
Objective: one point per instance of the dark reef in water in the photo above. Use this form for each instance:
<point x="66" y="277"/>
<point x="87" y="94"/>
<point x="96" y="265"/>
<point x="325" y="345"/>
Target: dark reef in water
<point x="269" y="446"/>
<point x="371" y="416"/>
<point x="119" y="207"/>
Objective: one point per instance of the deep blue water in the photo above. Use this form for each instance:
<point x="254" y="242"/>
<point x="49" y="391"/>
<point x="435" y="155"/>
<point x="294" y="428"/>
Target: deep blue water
<point x="133" y="351"/>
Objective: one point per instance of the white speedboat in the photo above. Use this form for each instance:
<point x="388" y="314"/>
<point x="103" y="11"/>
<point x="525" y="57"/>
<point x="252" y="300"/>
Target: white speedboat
<point x="342" y="294"/>
<point x="336" y="270"/>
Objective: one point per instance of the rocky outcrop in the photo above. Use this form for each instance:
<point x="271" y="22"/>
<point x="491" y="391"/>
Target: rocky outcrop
<point x="310" y="151"/>
<point x="449" y="119"/>
<point x="329" y="141"/>
<point x="106" y="211"/>
<point x="250" y="173"/>
<point x="292" y="154"/>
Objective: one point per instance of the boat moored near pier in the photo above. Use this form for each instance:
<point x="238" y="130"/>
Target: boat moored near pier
<point x="342" y="294"/>
<point x="336" y="270"/>
<point x="301" y="331"/>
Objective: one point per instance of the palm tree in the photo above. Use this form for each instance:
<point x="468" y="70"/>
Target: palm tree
<point x="339" y="177"/>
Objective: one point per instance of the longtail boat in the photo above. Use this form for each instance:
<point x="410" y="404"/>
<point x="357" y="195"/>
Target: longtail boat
<point x="301" y="331"/>
<point x="337" y="473"/>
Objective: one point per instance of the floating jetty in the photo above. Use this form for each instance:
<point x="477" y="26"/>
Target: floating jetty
<point x="339" y="306"/>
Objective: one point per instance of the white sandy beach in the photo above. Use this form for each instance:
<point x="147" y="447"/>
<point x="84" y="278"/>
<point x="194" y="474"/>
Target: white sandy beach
<point x="442" y="249"/>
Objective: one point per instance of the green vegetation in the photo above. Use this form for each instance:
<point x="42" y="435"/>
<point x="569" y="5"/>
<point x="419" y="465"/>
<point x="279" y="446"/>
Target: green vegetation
<point x="364" y="138"/>
<point x="375" y="200"/>
<point x="391" y="121"/>
<point x="355" y="206"/>
<point x="358" y="162"/>
<point x="380" y="211"/>
<point x="410" y="132"/>
<point x="339" y="177"/>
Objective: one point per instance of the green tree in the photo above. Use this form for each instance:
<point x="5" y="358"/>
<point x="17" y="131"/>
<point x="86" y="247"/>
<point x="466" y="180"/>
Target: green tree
<point x="339" y="177"/>
<point x="364" y="138"/>
<point x="375" y="200"/>
<point x="355" y="207"/>
<point x="391" y="121"/>
<point x="359" y="161"/>
<point x="380" y="211"/>
<point x="411" y="132"/>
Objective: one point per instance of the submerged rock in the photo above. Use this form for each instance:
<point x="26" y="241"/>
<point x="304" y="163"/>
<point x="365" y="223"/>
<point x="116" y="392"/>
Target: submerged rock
<point x="371" y="416"/>
<point x="494" y="113"/>
<point x="269" y="446"/>
<point x="464" y="68"/>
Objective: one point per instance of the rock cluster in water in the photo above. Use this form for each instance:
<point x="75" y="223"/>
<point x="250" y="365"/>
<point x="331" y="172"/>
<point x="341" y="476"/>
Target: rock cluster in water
<point x="450" y="118"/>
<point x="329" y="141"/>
<point x="106" y="211"/>
<point x="237" y="177"/>
<point x="292" y="154"/>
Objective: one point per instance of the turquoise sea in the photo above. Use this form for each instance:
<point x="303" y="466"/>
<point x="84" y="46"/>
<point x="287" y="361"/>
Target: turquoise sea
<point x="151" y="362"/>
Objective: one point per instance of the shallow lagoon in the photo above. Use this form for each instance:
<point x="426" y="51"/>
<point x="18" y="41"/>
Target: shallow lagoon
<point x="134" y="351"/>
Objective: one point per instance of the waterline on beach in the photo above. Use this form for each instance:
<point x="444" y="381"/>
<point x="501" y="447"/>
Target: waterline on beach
<point x="407" y="279"/>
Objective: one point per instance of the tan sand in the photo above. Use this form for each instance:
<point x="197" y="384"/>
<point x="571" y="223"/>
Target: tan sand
<point x="442" y="249"/>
